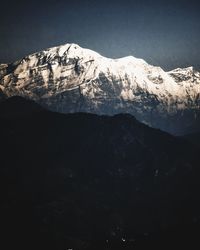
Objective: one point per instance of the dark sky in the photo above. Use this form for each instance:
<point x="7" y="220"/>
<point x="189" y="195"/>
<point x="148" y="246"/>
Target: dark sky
<point x="165" y="33"/>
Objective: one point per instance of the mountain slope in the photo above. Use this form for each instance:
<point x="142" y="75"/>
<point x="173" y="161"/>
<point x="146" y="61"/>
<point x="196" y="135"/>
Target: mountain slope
<point x="84" y="181"/>
<point x="69" y="78"/>
<point x="18" y="106"/>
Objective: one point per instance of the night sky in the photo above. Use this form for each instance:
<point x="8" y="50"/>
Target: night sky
<point x="165" y="33"/>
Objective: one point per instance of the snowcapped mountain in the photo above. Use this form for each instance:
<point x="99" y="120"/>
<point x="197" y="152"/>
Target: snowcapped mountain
<point x="69" y="78"/>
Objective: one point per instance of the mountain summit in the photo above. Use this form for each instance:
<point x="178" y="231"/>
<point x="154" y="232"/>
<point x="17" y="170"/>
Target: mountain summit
<point x="71" y="79"/>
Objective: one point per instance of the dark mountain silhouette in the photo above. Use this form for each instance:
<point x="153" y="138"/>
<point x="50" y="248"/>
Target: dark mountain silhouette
<point x="83" y="181"/>
<point x="17" y="105"/>
<point x="194" y="138"/>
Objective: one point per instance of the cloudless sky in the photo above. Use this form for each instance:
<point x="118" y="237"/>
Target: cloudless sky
<point x="165" y="33"/>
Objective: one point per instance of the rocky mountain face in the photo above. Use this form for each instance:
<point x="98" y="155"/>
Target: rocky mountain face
<point x="83" y="181"/>
<point x="71" y="79"/>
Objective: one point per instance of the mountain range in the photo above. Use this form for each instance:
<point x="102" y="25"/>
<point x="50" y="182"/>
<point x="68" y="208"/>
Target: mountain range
<point x="84" y="181"/>
<point x="72" y="79"/>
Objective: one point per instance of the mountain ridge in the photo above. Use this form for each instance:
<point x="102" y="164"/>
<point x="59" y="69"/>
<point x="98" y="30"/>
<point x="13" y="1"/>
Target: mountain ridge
<point x="70" y="79"/>
<point x="85" y="182"/>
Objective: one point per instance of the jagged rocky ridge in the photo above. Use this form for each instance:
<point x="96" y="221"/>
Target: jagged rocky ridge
<point x="69" y="78"/>
<point x="84" y="182"/>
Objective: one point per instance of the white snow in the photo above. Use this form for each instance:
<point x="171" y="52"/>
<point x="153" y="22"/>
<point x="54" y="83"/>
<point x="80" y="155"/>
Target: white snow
<point x="65" y="68"/>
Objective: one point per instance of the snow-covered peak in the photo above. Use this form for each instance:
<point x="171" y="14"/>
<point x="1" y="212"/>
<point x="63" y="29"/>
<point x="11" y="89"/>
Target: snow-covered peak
<point x="131" y="60"/>
<point x="185" y="76"/>
<point x="70" y="78"/>
<point x="183" y="70"/>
